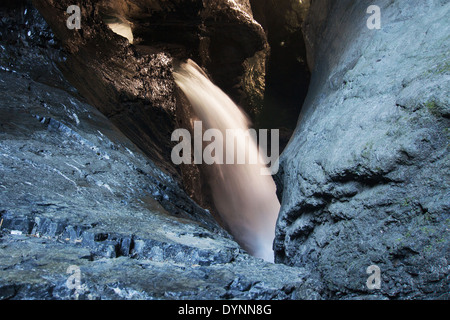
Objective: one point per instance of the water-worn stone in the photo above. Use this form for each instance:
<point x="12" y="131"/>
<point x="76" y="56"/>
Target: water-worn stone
<point x="365" y="178"/>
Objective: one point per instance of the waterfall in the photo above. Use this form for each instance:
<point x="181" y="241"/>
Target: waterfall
<point x="245" y="198"/>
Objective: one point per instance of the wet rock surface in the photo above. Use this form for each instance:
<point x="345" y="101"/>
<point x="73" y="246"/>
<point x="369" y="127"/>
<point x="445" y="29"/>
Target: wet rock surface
<point x="221" y="35"/>
<point x="134" y="90"/>
<point x="75" y="192"/>
<point x="365" y="178"/>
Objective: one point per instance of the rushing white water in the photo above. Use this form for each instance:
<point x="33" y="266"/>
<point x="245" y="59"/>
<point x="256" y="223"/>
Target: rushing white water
<point x="245" y="198"/>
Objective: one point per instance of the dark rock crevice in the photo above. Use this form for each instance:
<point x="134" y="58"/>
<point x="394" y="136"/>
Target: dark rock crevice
<point x="75" y="191"/>
<point x="287" y="73"/>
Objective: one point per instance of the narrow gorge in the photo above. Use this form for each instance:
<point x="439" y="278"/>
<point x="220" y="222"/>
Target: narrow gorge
<point x="360" y="114"/>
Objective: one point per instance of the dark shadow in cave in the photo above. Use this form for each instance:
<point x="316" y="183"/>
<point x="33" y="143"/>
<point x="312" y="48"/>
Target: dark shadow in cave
<point x="288" y="75"/>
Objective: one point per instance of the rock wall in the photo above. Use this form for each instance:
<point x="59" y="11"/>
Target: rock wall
<point x="130" y="88"/>
<point x="365" y="179"/>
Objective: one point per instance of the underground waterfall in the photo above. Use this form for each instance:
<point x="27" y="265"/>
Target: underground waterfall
<point x="244" y="194"/>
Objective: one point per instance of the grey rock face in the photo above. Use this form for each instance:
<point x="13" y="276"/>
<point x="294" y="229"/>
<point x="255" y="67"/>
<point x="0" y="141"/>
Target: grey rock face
<point x="365" y="178"/>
